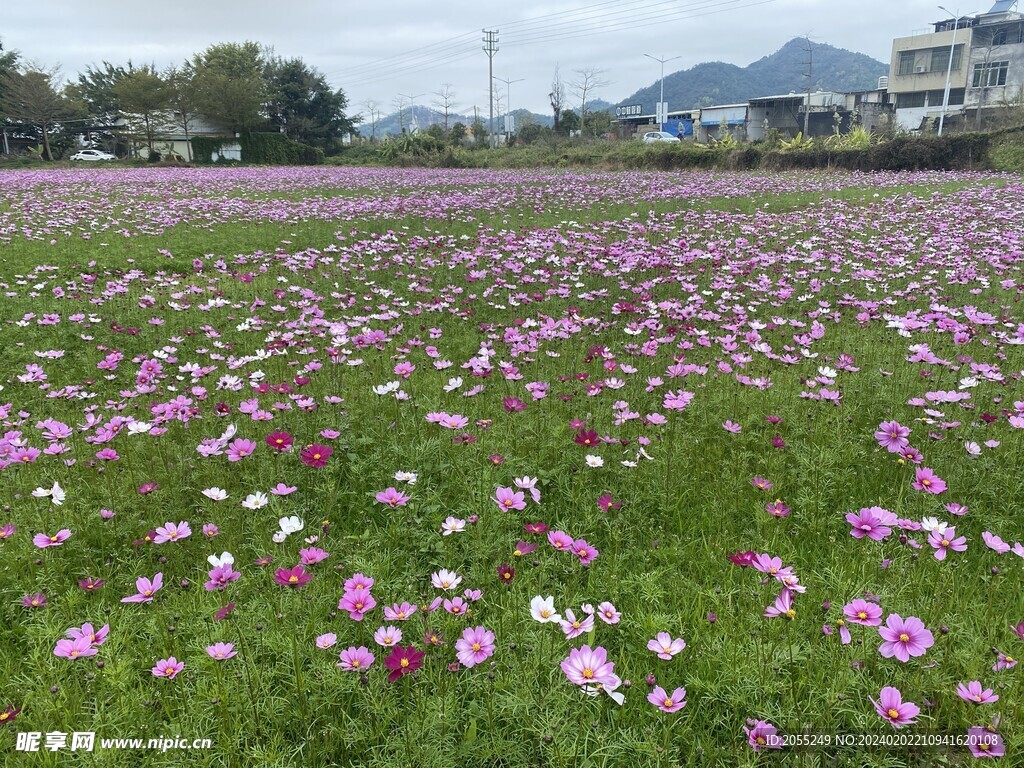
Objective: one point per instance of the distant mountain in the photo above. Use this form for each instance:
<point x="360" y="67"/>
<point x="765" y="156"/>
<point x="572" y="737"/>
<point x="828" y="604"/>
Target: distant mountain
<point x="833" y="69"/>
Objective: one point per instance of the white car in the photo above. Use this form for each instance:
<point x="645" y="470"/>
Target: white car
<point x="659" y="136"/>
<point x="93" y="155"/>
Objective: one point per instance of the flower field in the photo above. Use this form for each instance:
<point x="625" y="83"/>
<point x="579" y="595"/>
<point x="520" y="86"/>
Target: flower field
<point x="467" y="468"/>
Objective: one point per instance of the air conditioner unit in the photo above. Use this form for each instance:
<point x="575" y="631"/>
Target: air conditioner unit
<point x="919" y="70"/>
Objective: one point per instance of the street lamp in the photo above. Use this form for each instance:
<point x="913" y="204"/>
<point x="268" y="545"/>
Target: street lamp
<point x="508" y="93"/>
<point x="662" y="98"/>
<point x="949" y="67"/>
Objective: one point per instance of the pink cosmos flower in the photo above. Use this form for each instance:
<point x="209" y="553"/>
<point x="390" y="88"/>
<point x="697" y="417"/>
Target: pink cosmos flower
<point x="240" y="448"/>
<point x="892" y="436"/>
<point x="891" y="707"/>
<point x="392" y="498"/>
<point x="171" y="532"/>
<point x="387" y="636"/>
<point x="762" y="735"/>
<point x="146" y="589"/>
<point x="475" y="645"/>
<point x="355" y="659"/>
<point x="778" y="509"/>
<point x="995" y="543"/>
<point x="926" y="480"/>
<point x="292" y="577"/>
<point x="586" y="553"/>
<point x="783" y="606"/>
<point x="873" y="522"/>
<point x="560" y="540"/>
<point x="761" y="483"/>
<point x="35" y="600"/>
<point x="168" y="668"/>
<point x="1003" y="662"/>
<point x="43" y="541"/>
<point x="862" y="612"/>
<point x="507" y="499"/>
<point x="586" y="666"/>
<point x="357" y="602"/>
<point x="326" y="640"/>
<point x="985" y="743"/>
<point x="221" y="651"/>
<point x="945" y="540"/>
<point x="665" y="646"/>
<point x="315" y="455"/>
<point x="75" y="649"/>
<point x="904" y="638"/>
<point x="95" y="636"/>
<point x="608" y="613"/>
<point x="283" y="490"/>
<point x="456" y="606"/>
<point x="312" y="555"/>
<point x="574" y="627"/>
<point x="665" y="702"/>
<point x="358" y="581"/>
<point x="974" y="693"/>
<point x="399" y="612"/>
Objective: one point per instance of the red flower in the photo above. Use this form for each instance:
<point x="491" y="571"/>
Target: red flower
<point x="403" y="661"/>
<point x="292" y="577"/>
<point x="743" y="558"/>
<point x="316" y="455"/>
<point x="8" y="715"/>
<point x="280" y="441"/>
<point x="506" y="573"/>
<point x="587" y="437"/>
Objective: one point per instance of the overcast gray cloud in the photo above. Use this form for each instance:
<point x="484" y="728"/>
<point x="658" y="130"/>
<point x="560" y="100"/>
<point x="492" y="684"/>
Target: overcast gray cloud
<point x="377" y="50"/>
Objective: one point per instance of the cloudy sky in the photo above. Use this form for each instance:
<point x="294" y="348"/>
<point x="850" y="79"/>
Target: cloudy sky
<point x="378" y="50"/>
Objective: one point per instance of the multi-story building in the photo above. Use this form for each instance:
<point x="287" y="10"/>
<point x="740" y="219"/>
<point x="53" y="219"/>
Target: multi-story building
<point x="979" y="58"/>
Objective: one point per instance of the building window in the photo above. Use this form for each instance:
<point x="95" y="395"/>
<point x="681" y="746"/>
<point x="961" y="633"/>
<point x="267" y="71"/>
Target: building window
<point x="956" y="97"/>
<point x="910" y="100"/>
<point x="906" y="63"/>
<point x="940" y="59"/>
<point x="990" y="74"/>
<point x="999" y="37"/>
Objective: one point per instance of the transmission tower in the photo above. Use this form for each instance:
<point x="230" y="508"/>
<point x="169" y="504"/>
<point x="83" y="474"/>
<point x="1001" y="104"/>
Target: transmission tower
<point x="490" y="48"/>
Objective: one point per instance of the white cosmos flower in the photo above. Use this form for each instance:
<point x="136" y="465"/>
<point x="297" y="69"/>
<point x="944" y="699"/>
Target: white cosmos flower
<point x="406" y="477"/>
<point x="972" y="448"/>
<point x="139" y="427"/>
<point x="543" y="609"/>
<point x="828" y="373"/>
<point x="453" y="384"/>
<point x="255" y="500"/>
<point x="452" y="525"/>
<point x="228" y="434"/>
<point x="594" y="461"/>
<point x="215" y="494"/>
<point x="56" y="494"/>
<point x="933" y="524"/>
<point x="279" y="537"/>
<point x="291" y="524"/>
<point x="386" y="389"/>
<point x="226" y="558"/>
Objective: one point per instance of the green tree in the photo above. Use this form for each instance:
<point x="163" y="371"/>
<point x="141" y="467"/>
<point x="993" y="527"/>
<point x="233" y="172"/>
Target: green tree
<point x="303" y="104"/>
<point x="479" y="133"/>
<point x="570" y="121"/>
<point x="30" y="98"/>
<point x="458" y="133"/>
<point x="95" y="89"/>
<point x="144" y="98"/>
<point x="183" y="99"/>
<point x="230" y="87"/>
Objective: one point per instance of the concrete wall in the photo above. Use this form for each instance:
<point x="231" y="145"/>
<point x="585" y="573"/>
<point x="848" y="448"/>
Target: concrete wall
<point x="930" y="79"/>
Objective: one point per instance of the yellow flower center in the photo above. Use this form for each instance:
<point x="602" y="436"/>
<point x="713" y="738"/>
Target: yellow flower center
<point x="575" y="625"/>
<point x="862" y="615"/>
<point x="904" y="638"/>
<point x="945" y="542"/>
<point x="355" y="663"/>
<point x="668" y="702"/>
<point x="169" y="671"/>
<point x="74" y="653"/>
<point x="544" y="613"/>
<point x="476" y="646"/>
<point x="791" y="613"/>
<point x="405" y="663"/>
<point x="894" y="714"/>
<point x="293" y="579"/>
<point x="588" y="673"/>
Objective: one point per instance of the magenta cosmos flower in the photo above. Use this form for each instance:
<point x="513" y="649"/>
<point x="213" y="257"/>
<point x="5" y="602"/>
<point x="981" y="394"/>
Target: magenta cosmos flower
<point x="280" y="441"/>
<point x="43" y="541"/>
<point x="355" y="659"/>
<point x="146" y="589"/>
<point x="403" y="661"/>
<point x="892" y="436"/>
<point x="357" y="602"/>
<point x="292" y="577"/>
<point x="762" y="735"/>
<point x="974" y="693"/>
<point x="863" y="612"/>
<point x="475" y="645"/>
<point x="315" y="455"/>
<point x="904" y="638"/>
<point x="171" y="532"/>
<point x="168" y="668"/>
<point x="891" y="707"/>
<point x="873" y="522"/>
<point x="926" y="480"/>
<point x="945" y="540"/>
<point x="392" y="498"/>
<point x="667" y="702"/>
<point x="586" y="666"/>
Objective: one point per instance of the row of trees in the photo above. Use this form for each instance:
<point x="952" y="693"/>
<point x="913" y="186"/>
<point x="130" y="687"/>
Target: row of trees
<point x="239" y="87"/>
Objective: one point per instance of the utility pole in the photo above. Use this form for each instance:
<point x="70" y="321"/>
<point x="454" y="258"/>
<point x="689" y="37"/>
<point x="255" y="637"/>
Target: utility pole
<point x="660" y="110"/>
<point x="412" y="100"/>
<point x="949" y="68"/>
<point x="490" y="48"/>
<point x="810" y="84"/>
<point x="508" y="94"/>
